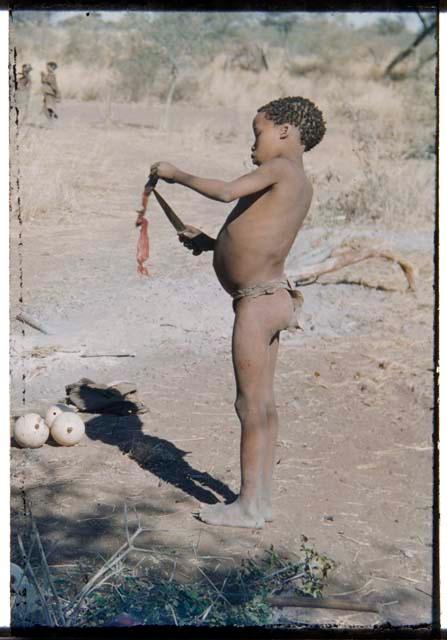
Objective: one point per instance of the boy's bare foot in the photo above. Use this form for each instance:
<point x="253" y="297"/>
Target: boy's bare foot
<point x="231" y="515"/>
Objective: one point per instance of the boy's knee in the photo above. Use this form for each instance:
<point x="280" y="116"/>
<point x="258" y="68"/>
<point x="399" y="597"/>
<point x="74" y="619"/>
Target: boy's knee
<point x="252" y="407"/>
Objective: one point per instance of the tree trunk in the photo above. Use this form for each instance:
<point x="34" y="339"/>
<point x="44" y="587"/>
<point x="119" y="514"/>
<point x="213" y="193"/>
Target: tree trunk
<point x="167" y="108"/>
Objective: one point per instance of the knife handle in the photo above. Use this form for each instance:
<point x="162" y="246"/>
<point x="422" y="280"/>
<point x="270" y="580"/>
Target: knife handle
<point x="151" y="183"/>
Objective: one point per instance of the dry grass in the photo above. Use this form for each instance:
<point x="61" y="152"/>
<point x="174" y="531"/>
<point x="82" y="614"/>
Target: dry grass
<point x="377" y="159"/>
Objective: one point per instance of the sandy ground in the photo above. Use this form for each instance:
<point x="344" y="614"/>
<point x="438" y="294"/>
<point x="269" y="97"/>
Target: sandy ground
<point x="354" y="388"/>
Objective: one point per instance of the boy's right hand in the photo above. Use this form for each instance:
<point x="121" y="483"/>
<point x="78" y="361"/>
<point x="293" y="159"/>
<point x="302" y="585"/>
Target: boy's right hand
<point x="195" y="240"/>
<point x="164" y="170"/>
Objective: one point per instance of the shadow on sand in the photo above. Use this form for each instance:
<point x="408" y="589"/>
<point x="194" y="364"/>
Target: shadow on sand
<point x="158" y="456"/>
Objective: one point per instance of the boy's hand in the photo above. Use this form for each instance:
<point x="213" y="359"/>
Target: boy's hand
<point x="195" y="240"/>
<point x="164" y="170"/>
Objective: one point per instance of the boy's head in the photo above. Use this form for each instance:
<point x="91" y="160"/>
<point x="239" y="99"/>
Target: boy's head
<point x="51" y="66"/>
<point x="26" y="68"/>
<point x="300" y="113"/>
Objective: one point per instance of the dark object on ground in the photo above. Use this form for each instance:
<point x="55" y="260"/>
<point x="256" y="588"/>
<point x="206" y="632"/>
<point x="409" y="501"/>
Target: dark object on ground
<point x="27" y="319"/>
<point x="118" y="399"/>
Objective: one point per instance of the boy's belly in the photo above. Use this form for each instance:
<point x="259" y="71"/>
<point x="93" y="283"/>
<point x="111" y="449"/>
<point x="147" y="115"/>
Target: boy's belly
<point x="242" y="262"/>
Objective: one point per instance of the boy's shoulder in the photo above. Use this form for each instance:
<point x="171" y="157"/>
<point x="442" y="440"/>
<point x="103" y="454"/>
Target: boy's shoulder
<point x="284" y="169"/>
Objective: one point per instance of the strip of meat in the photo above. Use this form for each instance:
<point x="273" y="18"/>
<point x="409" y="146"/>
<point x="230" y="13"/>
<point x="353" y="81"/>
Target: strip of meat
<point x="143" y="247"/>
<point x="143" y="223"/>
<point x="143" y="238"/>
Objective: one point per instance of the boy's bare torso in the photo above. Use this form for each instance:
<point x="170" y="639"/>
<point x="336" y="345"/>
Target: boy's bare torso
<point x="256" y="238"/>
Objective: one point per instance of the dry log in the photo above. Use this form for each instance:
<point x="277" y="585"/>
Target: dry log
<point x="344" y="256"/>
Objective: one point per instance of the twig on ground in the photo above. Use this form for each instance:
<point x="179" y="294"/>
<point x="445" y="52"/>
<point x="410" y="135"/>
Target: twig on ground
<point x="29" y="320"/>
<point x="50" y="619"/>
<point x="208" y="609"/>
<point x="363" y="544"/>
<point x="424" y="592"/>
<point x="47" y="572"/>
<point x="126" y="524"/>
<point x="295" y="577"/>
<point x="408" y="579"/>
<point x="269" y="576"/>
<point x="346" y="593"/>
<point x="173" y="571"/>
<point x="173" y="614"/>
<point x="219" y="592"/>
<point x="107" y="355"/>
<point x="362" y="283"/>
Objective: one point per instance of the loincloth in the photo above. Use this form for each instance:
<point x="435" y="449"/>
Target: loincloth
<point x="268" y="288"/>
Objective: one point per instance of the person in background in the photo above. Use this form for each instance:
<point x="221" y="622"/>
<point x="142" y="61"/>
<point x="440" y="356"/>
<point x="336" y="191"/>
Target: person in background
<point x="50" y="90"/>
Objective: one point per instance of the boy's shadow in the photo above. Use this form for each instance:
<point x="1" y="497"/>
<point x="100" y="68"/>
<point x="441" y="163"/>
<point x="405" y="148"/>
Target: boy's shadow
<point x="159" y="456"/>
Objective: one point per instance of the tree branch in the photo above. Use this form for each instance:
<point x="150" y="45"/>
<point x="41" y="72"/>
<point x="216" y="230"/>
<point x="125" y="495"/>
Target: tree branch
<point x="406" y="52"/>
<point x="344" y="256"/>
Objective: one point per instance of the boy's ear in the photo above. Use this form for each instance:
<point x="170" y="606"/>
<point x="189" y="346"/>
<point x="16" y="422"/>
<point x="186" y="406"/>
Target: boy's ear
<point x="284" y="131"/>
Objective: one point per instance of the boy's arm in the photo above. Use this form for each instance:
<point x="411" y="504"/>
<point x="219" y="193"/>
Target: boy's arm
<point x="221" y="190"/>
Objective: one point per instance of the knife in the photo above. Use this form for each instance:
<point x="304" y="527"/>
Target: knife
<point x="170" y="214"/>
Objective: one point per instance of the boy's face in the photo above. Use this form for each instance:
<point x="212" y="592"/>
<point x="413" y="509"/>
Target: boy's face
<point x="267" y="139"/>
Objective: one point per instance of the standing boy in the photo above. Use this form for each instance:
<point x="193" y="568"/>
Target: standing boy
<point x="249" y="255"/>
<point x="50" y="90"/>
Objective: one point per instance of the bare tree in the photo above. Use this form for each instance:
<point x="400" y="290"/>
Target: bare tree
<point x="184" y="40"/>
<point x="427" y="29"/>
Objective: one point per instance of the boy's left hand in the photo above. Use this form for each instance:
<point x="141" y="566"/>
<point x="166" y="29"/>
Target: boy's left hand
<point x="164" y="170"/>
<point x="195" y="240"/>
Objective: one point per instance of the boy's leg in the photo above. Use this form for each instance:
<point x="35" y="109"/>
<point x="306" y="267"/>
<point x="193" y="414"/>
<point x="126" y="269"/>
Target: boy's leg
<point x="257" y="323"/>
<point x="272" y="431"/>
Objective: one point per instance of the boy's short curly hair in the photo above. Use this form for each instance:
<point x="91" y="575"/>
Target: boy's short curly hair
<point x="300" y="112"/>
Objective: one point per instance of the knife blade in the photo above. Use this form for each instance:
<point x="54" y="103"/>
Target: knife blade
<point x="170" y="214"/>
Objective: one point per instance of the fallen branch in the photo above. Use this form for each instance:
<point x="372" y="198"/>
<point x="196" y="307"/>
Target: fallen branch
<point x="344" y="256"/>
<point x="362" y="283"/>
<point x="27" y="319"/>
<point x="107" y="355"/>
<point x="319" y="603"/>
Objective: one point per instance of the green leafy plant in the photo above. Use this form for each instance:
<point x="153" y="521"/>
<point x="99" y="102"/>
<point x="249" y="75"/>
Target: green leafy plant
<point x="239" y="596"/>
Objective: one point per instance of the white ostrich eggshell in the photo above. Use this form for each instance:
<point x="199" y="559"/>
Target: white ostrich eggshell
<point x="31" y="431"/>
<point x="54" y="411"/>
<point x="68" y="429"/>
